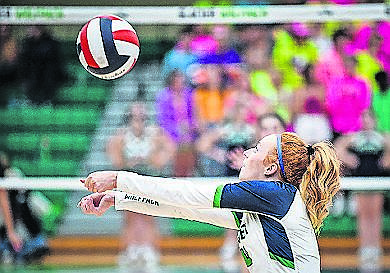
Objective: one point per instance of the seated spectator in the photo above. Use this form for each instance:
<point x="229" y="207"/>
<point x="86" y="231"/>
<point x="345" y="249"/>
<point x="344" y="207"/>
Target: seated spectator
<point x="202" y="43"/>
<point x="148" y="150"/>
<point x="266" y="82"/>
<point x="213" y="147"/>
<point x="380" y="33"/>
<point x="381" y="102"/>
<point x="34" y="246"/>
<point x="330" y="65"/>
<point x="214" y="144"/>
<point x="347" y="97"/>
<point x="175" y="115"/>
<point x="267" y="124"/>
<point x="39" y="57"/>
<point x="11" y="243"/>
<point x="242" y="94"/>
<point x="180" y="57"/>
<point x="256" y="36"/>
<point x="320" y="38"/>
<point x="367" y="63"/>
<point x="8" y="65"/>
<point x="367" y="153"/>
<point x="309" y="116"/>
<point x="209" y="97"/>
<point x="225" y="54"/>
<point x="292" y="52"/>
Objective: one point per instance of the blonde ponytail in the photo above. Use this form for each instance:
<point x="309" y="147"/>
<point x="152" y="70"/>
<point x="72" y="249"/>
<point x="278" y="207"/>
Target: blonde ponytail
<point x="320" y="183"/>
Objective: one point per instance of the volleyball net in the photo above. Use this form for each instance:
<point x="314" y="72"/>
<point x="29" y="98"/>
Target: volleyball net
<point x="74" y="184"/>
<point x="182" y="15"/>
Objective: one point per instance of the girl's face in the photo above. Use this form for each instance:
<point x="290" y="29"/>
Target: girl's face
<point x="253" y="166"/>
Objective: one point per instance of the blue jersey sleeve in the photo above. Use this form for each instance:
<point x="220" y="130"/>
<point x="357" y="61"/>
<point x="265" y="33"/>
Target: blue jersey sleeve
<point x="270" y="197"/>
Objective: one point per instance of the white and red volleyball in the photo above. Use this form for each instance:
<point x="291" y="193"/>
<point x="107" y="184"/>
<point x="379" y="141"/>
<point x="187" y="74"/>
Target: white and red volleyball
<point x="108" y="47"/>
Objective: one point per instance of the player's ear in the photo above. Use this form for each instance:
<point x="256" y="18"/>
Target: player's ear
<point x="271" y="169"/>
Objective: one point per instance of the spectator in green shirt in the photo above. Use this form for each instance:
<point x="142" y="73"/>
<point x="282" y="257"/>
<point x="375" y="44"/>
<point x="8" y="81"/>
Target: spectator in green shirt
<point x="292" y="52"/>
<point x="381" y="102"/>
<point x="367" y="62"/>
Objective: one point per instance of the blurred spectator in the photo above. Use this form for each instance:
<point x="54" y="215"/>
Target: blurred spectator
<point x="266" y="82"/>
<point x="367" y="153"/>
<point x="368" y="64"/>
<point x="378" y="33"/>
<point x="144" y="149"/>
<point x="267" y="124"/>
<point x="10" y="243"/>
<point x="309" y="117"/>
<point x="203" y="43"/>
<point x="381" y="102"/>
<point x="41" y="66"/>
<point x="35" y="246"/>
<point x="241" y="94"/>
<point x="224" y="54"/>
<point x="8" y="64"/>
<point x="330" y="65"/>
<point x="347" y="97"/>
<point x="293" y="51"/>
<point x="133" y="145"/>
<point x="174" y="107"/>
<point x="209" y="96"/>
<point x="258" y="36"/>
<point x="322" y="40"/>
<point x="236" y="129"/>
<point x="180" y="57"/>
<point x="213" y="146"/>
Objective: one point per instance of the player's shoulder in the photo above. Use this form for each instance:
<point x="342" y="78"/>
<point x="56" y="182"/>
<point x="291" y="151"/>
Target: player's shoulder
<point x="275" y="185"/>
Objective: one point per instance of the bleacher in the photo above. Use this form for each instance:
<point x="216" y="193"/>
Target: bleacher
<point x="52" y="140"/>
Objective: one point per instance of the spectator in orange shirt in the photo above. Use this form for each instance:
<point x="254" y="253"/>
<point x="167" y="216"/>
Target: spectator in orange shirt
<point x="209" y="96"/>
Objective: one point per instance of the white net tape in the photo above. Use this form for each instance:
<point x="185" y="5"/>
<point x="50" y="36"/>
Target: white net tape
<point x="74" y="184"/>
<point x="25" y="15"/>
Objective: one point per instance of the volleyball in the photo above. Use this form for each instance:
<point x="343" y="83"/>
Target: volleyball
<point x="107" y="47"/>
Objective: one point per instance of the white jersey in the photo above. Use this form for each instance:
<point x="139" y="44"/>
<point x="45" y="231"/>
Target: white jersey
<point x="274" y="231"/>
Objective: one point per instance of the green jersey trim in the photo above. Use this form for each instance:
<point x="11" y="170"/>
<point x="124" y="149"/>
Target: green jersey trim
<point x="238" y="220"/>
<point x="281" y="260"/>
<point x="217" y="196"/>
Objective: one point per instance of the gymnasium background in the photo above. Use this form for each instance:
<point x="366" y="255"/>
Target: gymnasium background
<point x="53" y="146"/>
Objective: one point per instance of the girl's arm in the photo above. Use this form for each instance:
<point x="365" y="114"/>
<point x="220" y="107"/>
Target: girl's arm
<point x="246" y="196"/>
<point x="8" y="219"/>
<point x="173" y="192"/>
<point x="99" y="203"/>
<point x="135" y="203"/>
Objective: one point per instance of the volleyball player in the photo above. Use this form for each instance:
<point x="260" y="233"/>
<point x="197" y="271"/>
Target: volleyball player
<point x="278" y="207"/>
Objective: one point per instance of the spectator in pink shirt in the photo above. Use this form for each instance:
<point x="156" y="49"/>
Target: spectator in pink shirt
<point x="330" y="65"/>
<point x="379" y="30"/>
<point x="347" y="97"/>
<point x="203" y="42"/>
